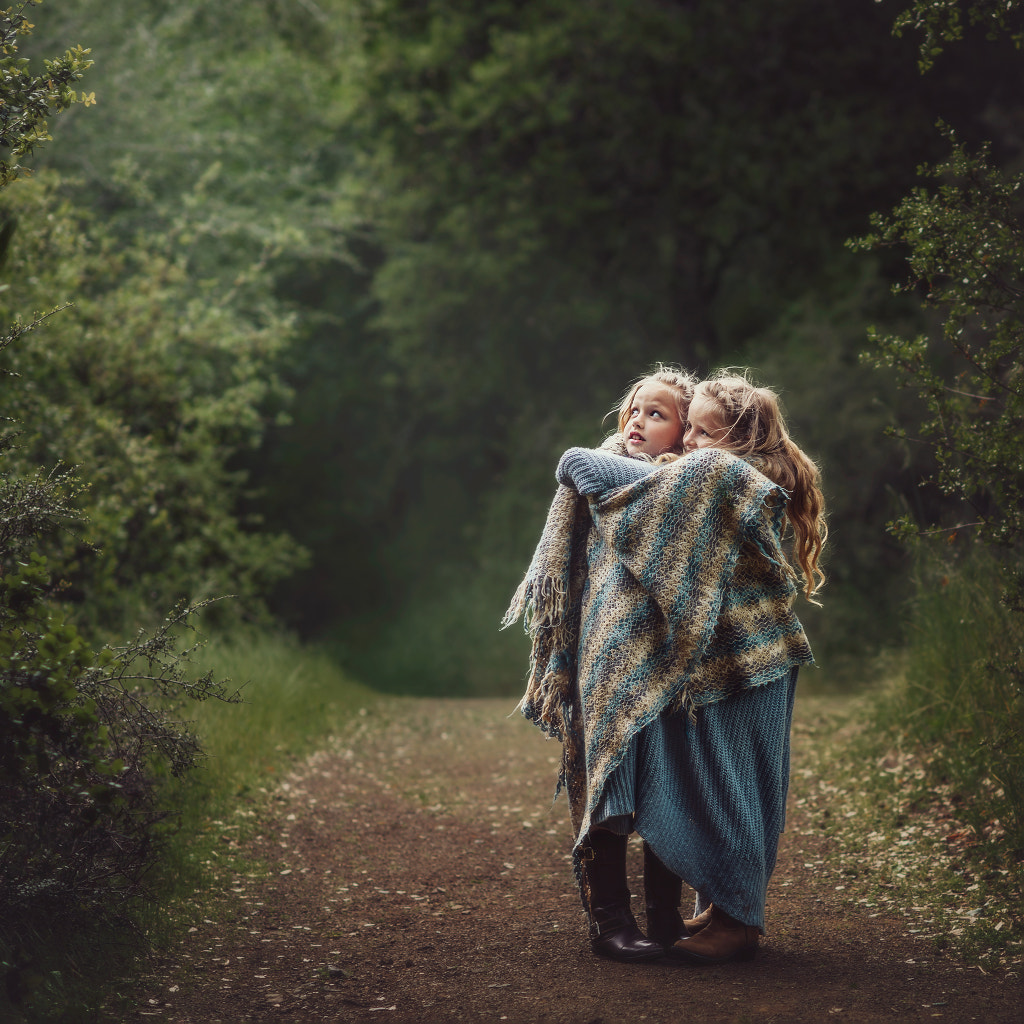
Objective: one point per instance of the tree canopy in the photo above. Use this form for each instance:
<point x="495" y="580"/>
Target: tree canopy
<point x="483" y="219"/>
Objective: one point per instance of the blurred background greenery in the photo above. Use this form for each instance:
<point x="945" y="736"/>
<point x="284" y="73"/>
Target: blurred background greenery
<point x="350" y="274"/>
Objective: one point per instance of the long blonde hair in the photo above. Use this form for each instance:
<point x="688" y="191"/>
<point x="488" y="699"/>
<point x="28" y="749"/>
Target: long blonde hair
<point x="757" y="433"/>
<point x="679" y="380"/>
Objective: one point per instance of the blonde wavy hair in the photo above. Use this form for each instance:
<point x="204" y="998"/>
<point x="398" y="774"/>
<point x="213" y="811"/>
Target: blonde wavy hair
<point x="679" y="380"/>
<point x="758" y="434"/>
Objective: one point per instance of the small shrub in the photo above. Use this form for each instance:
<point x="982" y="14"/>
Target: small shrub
<point x="962" y="699"/>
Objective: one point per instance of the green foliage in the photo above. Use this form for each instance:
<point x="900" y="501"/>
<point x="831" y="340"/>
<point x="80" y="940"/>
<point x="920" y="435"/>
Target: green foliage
<point x="155" y="382"/>
<point x="28" y="100"/>
<point x="487" y="218"/>
<point x="218" y="156"/>
<point x="609" y="165"/>
<point x="942" y="22"/>
<point x="965" y="238"/>
<point x="961" y="700"/>
<point x="223" y="118"/>
<point x="83" y="737"/>
<point x="553" y="196"/>
<point x="293" y="697"/>
<point x="40" y="659"/>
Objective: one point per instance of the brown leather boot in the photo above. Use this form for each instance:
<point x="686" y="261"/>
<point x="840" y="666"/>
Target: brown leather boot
<point x="724" y="939"/>
<point x="613" y="929"/>
<point x="695" y="924"/>
<point x="662" y="891"/>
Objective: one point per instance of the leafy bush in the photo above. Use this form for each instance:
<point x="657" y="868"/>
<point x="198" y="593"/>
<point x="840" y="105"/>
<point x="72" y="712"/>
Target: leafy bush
<point x="84" y="738"/>
<point x="962" y="698"/>
<point x="942" y="22"/>
<point x="28" y="100"/>
<point x="156" y="383"/>
<point x="963" y="233"/>
<point x="965" y="238"/>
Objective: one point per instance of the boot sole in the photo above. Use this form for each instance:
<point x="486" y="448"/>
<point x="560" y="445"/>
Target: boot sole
<point x="646" y="958"/>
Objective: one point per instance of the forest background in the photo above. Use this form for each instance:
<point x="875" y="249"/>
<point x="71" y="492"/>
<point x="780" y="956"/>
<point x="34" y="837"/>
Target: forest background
<point x="348" y="275"/>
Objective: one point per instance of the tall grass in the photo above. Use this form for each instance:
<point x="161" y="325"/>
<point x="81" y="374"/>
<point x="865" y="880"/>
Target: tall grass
<point x="293" y="698"/>
<point x="961" y="700"/>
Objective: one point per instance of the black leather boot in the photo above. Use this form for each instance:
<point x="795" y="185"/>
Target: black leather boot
<point x="613" y="929"/>
<point x="662" y="891"/>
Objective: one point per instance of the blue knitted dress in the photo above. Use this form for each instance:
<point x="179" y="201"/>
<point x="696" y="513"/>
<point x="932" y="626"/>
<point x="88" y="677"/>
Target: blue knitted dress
<point x="708" y="794"/>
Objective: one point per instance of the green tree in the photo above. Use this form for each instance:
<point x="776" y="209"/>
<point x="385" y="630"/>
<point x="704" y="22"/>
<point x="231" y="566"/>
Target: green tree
<point x="943" y="22"/>
<point x="219" y="153"/>
<point x="962" y="234"/>
<point x="964" y="240"/>
<point x="486" y="218"/>
<point x="157" y="383"/>
<point x="83" y="734"/>
<point x="29" y="100"/>
<point x="217" y="121"/>
<point x="965" y="237"/>
<point x="672" y="172"/>
<point x="558" y="194"/>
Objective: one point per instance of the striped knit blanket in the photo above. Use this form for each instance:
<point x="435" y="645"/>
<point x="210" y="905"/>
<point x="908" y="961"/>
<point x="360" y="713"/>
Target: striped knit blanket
<point x="667" y="594"/>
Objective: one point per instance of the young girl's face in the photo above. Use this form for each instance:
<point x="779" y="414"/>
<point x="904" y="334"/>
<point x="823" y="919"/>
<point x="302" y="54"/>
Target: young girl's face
<point x="705" y="424"/>
<point x="654" y="425"/>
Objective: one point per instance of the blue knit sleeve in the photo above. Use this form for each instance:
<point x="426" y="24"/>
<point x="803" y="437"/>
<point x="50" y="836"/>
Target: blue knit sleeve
<point x="589" y="471"/>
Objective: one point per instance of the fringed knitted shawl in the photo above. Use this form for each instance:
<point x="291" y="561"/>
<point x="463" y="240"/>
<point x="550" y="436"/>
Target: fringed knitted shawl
<point x="669" y="593"/>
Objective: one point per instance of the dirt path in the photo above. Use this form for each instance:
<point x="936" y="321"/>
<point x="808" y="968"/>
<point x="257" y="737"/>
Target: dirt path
<point x="419" y="873"/>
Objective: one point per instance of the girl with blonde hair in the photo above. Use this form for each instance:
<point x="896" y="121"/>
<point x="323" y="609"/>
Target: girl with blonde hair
<point x="651" y="417"/>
